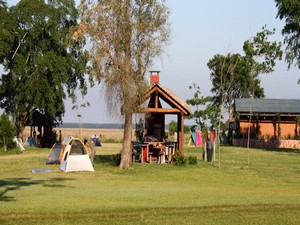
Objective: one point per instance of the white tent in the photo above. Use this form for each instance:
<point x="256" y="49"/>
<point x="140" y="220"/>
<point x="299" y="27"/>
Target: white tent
<point x="76" y="157"/>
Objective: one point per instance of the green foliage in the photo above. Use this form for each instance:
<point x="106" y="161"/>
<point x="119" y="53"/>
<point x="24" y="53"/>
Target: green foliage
<point x="12" y="151"/>
<point x="236" y="76"/>
<point x="116" y="159"/>
<point x="6" y="39"/>
<point x="205" y="109"/>
<point x="7" y="132"/>
<point x="178" y="159"/>
<point x="261" y="54"/>
<point x="230" y="76"/>
<point x="192" y="160"/>
<point x="278" y="126"/>
<point x="172" y="127"/>
<point x="186" y="129"/>
<point x="125" y="37"/>
<point x="41" y="60"/>
<point x="290" y="11"/>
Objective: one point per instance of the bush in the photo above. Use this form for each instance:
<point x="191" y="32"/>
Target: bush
<point x="12" y="151"/>
<point x="116" y="159"/>
<point x="178" y="159"/>
<point x="192" y="160"/>
<point x="7" y="131"/>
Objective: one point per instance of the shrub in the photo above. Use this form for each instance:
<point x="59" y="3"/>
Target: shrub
<point x="192" y="160"/>
<point x="289" y="137"/>
<point x="178" y="159"/>
<point x="116" y="159"/>
<point x="7" y="131"/>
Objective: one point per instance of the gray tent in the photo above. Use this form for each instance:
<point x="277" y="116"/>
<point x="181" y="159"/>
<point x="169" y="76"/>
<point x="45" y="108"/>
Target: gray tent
<point x="30" y="141"/>
<point x="56" y="150"/>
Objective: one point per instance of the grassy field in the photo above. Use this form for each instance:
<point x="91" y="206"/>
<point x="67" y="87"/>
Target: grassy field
<point x="252" y="186"/>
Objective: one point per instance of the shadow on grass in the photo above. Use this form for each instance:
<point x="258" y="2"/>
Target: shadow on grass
<point x="13" y="184"/>
<point x="103" y="159"/>
<point x="107" y="160"/>
<point x="287" y="150"/>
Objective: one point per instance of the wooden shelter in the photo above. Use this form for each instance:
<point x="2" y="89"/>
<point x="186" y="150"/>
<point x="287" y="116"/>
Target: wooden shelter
<point x="155" y="111"/>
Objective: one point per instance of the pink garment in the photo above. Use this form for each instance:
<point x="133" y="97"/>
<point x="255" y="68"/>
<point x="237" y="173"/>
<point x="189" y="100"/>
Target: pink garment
<point x="198" y="139"/>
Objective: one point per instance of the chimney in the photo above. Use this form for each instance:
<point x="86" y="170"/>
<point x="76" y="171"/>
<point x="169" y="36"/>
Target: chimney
<point x="154" y="77"/>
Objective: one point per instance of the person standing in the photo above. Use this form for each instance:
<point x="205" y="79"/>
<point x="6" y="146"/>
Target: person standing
<point x="34" y="134"/>
<point x="60" y="137"/>
<point x="209" y="149"/>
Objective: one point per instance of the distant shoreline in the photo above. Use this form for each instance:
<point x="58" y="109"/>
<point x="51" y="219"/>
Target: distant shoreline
<point x="98" y="126"/>
<point x="92" y="125"/>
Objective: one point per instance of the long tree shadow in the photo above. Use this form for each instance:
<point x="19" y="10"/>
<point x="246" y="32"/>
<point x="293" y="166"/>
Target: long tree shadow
<point x="104" y="159"/>
<point x="287" y="150"/>
<point x="13" y="184"/>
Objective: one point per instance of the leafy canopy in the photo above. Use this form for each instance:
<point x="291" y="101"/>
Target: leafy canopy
<point x="124" y="36"/>
<point x="236" y="76"/>
<point x="289" y="10"/>
<point x="205" y="110"/>
<point x="41" y="59"/>
<point x="7" y="131"/>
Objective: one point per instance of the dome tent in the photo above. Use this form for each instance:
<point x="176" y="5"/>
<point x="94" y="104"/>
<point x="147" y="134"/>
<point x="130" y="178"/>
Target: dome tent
<point x="56" y="150"/>
<point x="75" y="157"/>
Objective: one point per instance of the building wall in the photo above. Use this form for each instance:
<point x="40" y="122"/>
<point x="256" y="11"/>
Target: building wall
<point x="267" y="130"/>
<point x="267" y="143"/>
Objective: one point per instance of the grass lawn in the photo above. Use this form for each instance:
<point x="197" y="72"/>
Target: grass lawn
<point x="252" y="186"/>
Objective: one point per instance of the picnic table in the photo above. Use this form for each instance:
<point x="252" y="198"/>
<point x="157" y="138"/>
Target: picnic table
<point x="157" y="150"/>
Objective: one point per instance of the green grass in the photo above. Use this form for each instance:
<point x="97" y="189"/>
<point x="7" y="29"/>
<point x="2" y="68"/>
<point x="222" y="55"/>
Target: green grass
<point x="252" y="186"/>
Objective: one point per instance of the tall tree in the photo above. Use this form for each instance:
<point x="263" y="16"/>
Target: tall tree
<point x="205" y="109"/>
<point x="41" y="59"/>
<point x="289" y="10"/>
<point x="236" y="76"/>
<point x="6" y="131"/>
<point x="6" y="39"/>
<point x="125" y="36"/>
<point x="230" y="78"/>
<point x="261" y="55"/>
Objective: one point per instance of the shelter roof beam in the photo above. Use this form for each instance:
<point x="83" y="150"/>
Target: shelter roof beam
<point x="163" y="110"/>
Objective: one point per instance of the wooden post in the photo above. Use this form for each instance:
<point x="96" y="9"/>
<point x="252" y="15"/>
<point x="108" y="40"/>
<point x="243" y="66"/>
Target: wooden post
<point x="180" y="129"/>
<point x="205" y="153"/>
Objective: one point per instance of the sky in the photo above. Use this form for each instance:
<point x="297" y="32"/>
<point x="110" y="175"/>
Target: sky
<point x="201" y="29"/>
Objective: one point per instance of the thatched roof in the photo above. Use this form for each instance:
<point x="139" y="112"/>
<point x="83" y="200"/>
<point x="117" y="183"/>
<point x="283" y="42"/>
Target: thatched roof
<point x="169" y="97"/>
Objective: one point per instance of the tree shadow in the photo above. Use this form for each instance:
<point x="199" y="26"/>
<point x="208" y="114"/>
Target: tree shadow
<point x="13" y="184"/>
<point x="104" y="159"/>
<point x="287" y="150"/>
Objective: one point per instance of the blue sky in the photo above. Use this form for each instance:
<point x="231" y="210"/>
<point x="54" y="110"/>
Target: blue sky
<point x="200" y="30"/>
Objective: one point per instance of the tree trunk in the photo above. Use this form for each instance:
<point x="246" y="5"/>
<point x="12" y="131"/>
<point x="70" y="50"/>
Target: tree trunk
<point x="127" y="104"/>
<point x="20" y="126"/>
<point x="19" y="132"/>
<point x="4" y="145"/>
<point x="126" y="149"/>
